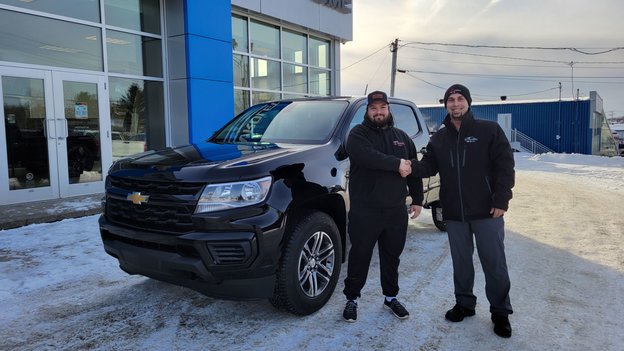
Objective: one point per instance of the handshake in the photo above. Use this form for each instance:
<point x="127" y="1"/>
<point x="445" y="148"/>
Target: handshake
<point x="405" y="168"/>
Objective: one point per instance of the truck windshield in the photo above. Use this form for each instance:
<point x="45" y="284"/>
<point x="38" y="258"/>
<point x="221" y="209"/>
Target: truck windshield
<point x="305" y="122"/>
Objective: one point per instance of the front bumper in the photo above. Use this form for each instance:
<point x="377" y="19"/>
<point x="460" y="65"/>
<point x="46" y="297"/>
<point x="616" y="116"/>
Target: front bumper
<point x="228" y="264"/>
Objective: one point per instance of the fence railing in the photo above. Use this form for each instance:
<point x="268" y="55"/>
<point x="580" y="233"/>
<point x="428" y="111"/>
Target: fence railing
<point x="528" y="143"/>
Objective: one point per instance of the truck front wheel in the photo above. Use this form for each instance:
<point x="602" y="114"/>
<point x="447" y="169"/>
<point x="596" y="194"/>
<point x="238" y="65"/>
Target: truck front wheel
<point x="310" y="264"/>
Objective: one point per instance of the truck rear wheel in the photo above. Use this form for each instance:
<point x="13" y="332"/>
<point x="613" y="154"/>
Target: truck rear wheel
<point x="310" y="264"/>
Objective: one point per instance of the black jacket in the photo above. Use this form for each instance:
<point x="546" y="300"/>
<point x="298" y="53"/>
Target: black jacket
<point x="375" y="155"/>
<point x="476" y="167"/>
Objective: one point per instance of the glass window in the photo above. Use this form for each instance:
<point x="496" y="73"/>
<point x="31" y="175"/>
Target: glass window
<point x="403" y="115"/>
<point x="294" y="47"/>
<point x="293" y="96"/>
<point x="43" y="41"/>
<point x="241" y="70"/>
<point x="265" y="74"/>
<point x="320" y="82"/>
<point x="137" y="113"/>
<point x="262" y="96"/>
<point x="298" y="121"/>
<point x="133" y="54"/>
<point x="405" y="119"/>
<point x="295" y="78"/>
<point x="82" y="117"/>
<point x="292" y="64"/>
<point x="319" y="53"/>
<point x="26" y="135"/>
<point x="239" y="34"/>
<point x="139" y="15"/>
<point x="88" y="10"/>
<point x="241" y="101"/>
<point x="264" y="40"/>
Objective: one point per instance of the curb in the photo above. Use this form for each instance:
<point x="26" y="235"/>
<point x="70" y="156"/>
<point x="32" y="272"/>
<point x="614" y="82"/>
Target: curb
<point x="16" y="223"/>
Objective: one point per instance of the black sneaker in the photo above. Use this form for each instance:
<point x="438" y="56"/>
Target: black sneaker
<point x="502" y="327"/>
<point x="397" y="308"/>
<point x="458" y="313"/>
<point x="350" y="311"/>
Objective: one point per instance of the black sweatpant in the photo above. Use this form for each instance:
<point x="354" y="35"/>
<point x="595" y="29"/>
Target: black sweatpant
<point x="489" y="234"/>
<point x="367" y="227"/>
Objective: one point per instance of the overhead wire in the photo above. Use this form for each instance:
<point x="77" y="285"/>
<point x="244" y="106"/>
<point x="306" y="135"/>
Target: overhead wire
<point x="364" y="58"/>
<point x="518" y="47"/>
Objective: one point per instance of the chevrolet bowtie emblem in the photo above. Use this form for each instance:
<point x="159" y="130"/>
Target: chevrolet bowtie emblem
<point x="137" y="198"/>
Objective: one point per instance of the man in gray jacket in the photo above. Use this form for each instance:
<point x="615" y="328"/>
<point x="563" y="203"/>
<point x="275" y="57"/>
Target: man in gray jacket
<point x="476" y="167"/>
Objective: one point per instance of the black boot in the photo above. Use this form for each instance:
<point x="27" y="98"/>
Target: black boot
<point x="458" y="313"/>
<point x="502" y="327"/>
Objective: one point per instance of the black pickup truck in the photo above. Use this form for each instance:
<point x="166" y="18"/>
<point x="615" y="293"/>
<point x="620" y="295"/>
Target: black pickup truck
<point x="259" y="210"/>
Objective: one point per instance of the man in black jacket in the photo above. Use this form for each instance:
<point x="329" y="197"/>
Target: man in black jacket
<point x="476" y="167"/>
<point x="379" y="165"/>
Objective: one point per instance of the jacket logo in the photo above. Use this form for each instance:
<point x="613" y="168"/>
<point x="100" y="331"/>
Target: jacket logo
<point x="398" y="143"/>
<point x="137" y="198"/>
<point x="471" y="139"/>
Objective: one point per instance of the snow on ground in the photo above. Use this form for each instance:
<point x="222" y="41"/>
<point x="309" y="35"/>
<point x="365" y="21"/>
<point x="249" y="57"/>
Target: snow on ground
<point x="565" y="251"/>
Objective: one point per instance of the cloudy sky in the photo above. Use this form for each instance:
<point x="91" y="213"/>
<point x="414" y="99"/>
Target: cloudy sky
<point x="426" y="28"/>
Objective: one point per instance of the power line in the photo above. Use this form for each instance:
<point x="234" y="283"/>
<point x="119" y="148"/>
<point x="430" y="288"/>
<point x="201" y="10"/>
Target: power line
<point x="420" y="79"/>
<point x="507" y="75"/>
<point x="517" y="58"/>
<point x="443" y="88"/>
<point x="506" y="64"/>
<point x="525" y="94"/>
<point x="362" y="59"/>
<point x="518" y="47"/>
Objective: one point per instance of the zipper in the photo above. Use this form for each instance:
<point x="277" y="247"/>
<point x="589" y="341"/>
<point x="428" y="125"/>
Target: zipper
<point x="487" y="182"/>
<point x="459" y="187"/>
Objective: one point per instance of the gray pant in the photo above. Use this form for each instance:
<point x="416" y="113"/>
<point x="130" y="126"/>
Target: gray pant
<point x="489" y="234"/>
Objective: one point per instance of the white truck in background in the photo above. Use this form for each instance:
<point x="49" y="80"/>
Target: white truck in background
<point x="124" y="147"/>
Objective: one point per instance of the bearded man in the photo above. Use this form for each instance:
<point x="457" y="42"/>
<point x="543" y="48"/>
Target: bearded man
<point x="379" y="175"/>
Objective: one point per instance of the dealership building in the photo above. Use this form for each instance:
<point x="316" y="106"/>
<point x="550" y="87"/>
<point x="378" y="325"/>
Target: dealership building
<point x="87" y="82"/>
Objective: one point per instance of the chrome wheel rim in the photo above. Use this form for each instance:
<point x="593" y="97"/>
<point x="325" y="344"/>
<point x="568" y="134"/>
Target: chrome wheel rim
<point x="316" y="264"/>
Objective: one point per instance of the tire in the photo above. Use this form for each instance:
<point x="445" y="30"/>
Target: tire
<point x="436" y="214"/>
<point x="80" y="159"/>
<point x="310" y="264"/>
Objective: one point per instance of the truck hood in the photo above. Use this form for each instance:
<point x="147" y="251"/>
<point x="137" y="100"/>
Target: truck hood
<point x="194" y="160"/>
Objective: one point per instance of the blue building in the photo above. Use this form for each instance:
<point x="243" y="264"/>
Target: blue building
<point x="563" y="126"/>
<point x="86" y="82"/>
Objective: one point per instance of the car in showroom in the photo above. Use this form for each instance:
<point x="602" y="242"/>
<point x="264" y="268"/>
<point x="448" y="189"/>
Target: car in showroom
<point x="259" y="210"/>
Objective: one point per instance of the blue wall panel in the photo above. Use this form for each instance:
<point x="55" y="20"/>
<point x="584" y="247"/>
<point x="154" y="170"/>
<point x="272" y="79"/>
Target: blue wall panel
<point x="206" y="109"/>
<point x="542" y="121"/>
<point x="209" y="66"/>
<point x="210" y="18"/>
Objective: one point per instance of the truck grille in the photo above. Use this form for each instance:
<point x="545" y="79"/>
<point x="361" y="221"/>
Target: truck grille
<point x="156" y="187"/>
<point x="169" y="208"/>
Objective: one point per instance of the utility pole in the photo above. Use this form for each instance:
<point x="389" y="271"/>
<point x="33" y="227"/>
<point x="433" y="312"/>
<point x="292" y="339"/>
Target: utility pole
<point x="394" y="47"/>
<point x="572" y="75"/>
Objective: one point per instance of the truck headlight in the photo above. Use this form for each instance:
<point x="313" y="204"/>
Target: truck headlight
<point x="223" y="196"/>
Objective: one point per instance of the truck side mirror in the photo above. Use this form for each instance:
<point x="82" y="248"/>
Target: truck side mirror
<point x="341" y="153"/>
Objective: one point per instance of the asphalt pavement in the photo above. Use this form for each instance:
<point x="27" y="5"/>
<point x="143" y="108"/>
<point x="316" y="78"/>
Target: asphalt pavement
<point x="18" y="215"/>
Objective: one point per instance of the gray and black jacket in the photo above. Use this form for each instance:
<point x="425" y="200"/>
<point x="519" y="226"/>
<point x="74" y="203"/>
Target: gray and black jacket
<point x="476" y="167"/>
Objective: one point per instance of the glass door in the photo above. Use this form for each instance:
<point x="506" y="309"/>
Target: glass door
<point x="83" y="129"/>
<point x="28" y="154"/>
<point x="56" y="130"/>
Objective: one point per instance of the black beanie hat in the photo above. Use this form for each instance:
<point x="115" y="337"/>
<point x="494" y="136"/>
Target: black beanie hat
<point x="377" y="96"/>
<point x="458" y="89"/>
